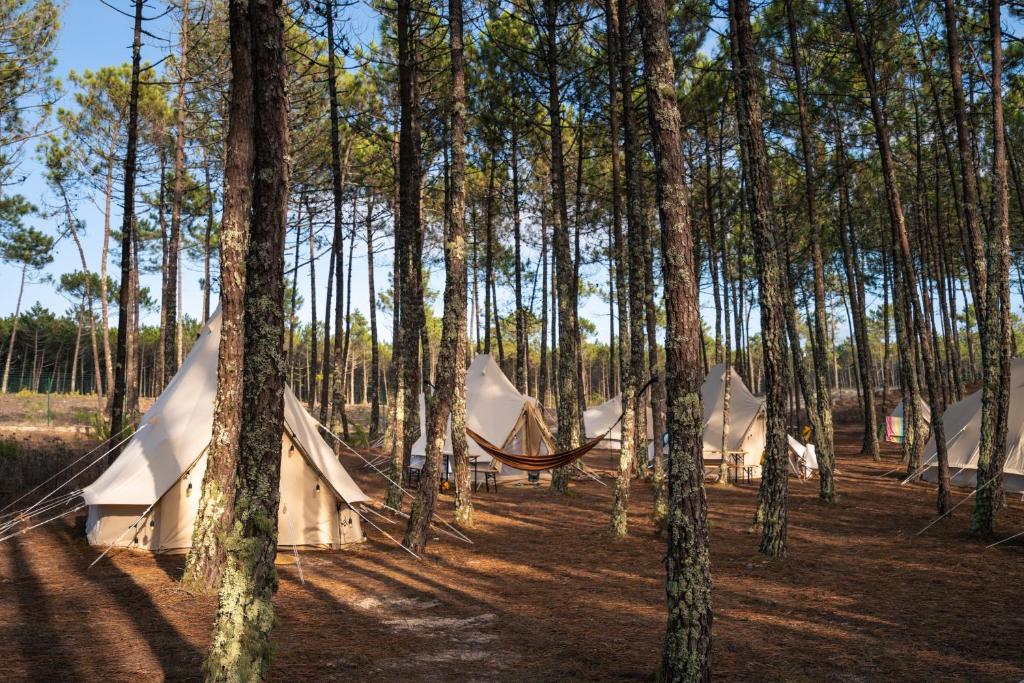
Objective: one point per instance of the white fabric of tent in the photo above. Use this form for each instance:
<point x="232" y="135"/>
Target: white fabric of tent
<point x="158" y="476"/>
<point x="805" y="458"/>
<point x="498" y="412"/>
<point x="598" y="419"/>
<point x="962" y="422"/>
<point x="747" y="425"/>
<point x="921" y="406"/>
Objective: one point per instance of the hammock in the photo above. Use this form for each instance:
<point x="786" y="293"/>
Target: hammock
<point x="534" y="463"/>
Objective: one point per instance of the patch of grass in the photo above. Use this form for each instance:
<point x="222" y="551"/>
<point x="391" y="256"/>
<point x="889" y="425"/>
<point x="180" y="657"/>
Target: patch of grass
<point x="9" y="448"/>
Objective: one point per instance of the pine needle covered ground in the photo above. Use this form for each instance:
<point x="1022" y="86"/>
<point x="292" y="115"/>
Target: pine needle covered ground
<point x="545" y="594"/>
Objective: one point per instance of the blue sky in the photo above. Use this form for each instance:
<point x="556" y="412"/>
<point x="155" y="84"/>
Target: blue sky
<point x="93" y="35"/>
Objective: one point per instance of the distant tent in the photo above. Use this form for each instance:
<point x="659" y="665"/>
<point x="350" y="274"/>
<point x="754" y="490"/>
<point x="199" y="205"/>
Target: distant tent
<point x="158" y="476"/>
<point x="894" y="425"/>
<point x="747" y="426"/>
<point x="803" y="459"/>
<point x="962" y="422"/>
<point x="498" y="412"/>
<point x="598" y="419"/>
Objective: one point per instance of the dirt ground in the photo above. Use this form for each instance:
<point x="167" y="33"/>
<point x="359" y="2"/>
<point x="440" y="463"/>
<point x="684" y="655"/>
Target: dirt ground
<point x="56" y="413"/>
<point x="543" y="594"/>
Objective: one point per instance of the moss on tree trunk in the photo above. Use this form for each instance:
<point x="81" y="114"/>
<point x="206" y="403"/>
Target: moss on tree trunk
<point x="240" y="643"/>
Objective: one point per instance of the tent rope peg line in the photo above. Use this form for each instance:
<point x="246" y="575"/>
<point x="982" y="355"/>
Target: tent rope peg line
<point x="1005" y="540"/>
<point x="458" y="535"/>
<point x="295" y="552"/>
<point x="393" y="539"/>
<point x="49" y="507"/>
<point x="131" y="526"/>
<point x="389" y="479"/>
<point x="42" y="523"/>
<point x="950" y="510"/>
<point x="382" y="517"/>
<point x="358" y="455"/>
<point x="11" y="517"/>
<point x="916" y="473"/>
<point x="72" y="464"/>
<point x="74" y="476"/>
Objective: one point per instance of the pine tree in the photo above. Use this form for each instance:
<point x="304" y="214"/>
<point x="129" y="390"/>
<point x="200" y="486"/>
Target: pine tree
<point x="686" y="651"/>
<point x="240" y="648"/>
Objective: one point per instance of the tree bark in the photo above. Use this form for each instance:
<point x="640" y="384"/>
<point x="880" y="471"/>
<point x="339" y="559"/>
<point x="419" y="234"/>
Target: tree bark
<point x="171" y="345"/>
<point x="313" y="361"/>
<point x="854" y="284"/>
<point x="374" y="381"/>
<point x="636" y="254"/>
<point x="117" y="408"/>
<point x="772" y="503"/>
<point x="898" y="221"/>
<point x="522" y="339"/>
<point x="823" y="437"/>
<point x="686" y="650"/>
<point x="995" y="397"/>
<point x="568" y="380"/>
<point x="407" y="345"/>
<point x="206" y="559"/>
<point x="620" y="500"/>
<point x="240" y="643"/>
<point x="450" y="379"/>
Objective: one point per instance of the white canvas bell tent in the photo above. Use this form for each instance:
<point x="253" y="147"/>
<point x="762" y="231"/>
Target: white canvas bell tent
<point x="158" y="476"/>
<point x="962" y="422"/>
<point x="498" y="412"/>
<point x="894" y="426"/>
<point x="747" y="427"/>
<point x="598" y="419"/>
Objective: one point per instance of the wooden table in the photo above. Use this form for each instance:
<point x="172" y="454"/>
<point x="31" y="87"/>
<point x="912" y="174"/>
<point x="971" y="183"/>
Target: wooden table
<point x="734" y="463"/>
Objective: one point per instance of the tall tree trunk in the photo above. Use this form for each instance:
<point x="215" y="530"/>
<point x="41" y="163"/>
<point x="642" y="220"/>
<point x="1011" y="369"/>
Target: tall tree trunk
<point x="164" y="343"/>
<point x="522" y="340"/>
<point x="407" y="346"/>
<point x="620" y="501"/>
<point x="208" y="554"/>
<point x="337" y="249"/>
<point x="686" y="650"/>
<point x="568" y="381"/>
<point x="14" y="330"/>
<point x="995" y="397"/>
<point x="542" y="371"/>
<point x="450" y="379"/>
<point x="637" y="248"/>
<point x="240" y="643"/>
<point x="108" y="363"/>
<point x="88" y="306"/>
<point x="132" y="373"/>
<point x="489" y="254"/>
<point x="971" y="205"/>
<point x="854" y="284"/>
<point x="117" y="409"/>
<point x="312" y="308"/>
<point x="293" y="299"/>
<point x="823" y="437"/>
<point x="78" y="343"/>
<point x="208" y="236"/>
<point x="896" y="217"/>
<point x="374" y="381"/>
<point x="772" y="503"/>
<point x="172" y="346"/>
<point x="344" y="383"/>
